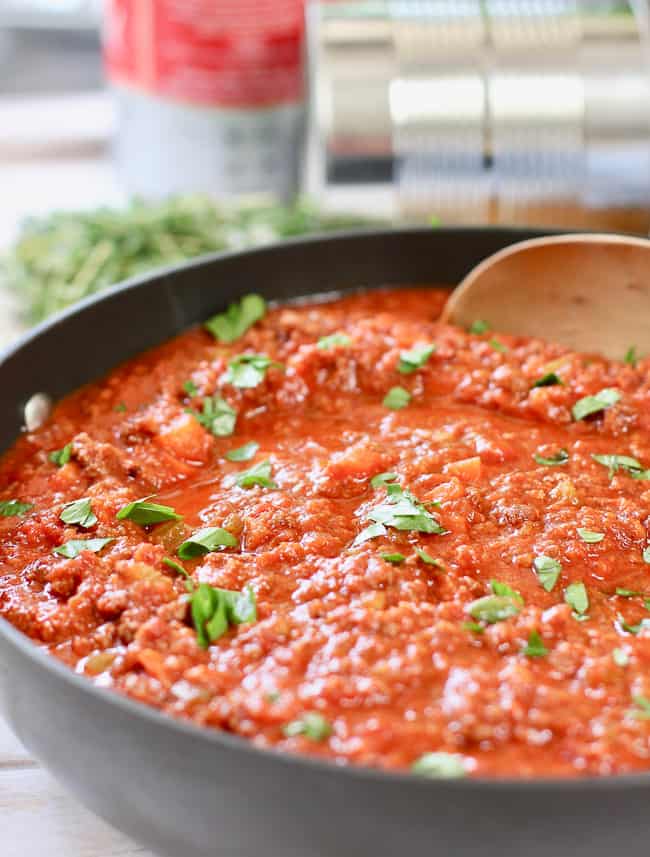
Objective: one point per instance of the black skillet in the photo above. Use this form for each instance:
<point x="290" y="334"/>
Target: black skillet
<point x="191" y="792"/>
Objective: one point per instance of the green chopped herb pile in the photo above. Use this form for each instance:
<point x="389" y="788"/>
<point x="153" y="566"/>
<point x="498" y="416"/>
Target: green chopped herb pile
<point x="66" y="256"/>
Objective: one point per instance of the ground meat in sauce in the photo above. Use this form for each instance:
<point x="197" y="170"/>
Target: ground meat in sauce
<point x="385" y="652"/>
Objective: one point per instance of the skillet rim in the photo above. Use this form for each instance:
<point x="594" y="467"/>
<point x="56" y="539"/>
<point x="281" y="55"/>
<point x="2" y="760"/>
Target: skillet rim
<point x="26" y="647"/>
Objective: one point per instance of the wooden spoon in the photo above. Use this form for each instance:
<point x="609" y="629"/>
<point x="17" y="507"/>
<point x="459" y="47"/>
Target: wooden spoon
<point x="589" y="292"/>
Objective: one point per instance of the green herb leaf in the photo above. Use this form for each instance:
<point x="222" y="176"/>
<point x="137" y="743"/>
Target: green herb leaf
<point x="620" y="657"/>
<point x="396" y="398"/>
<point x="589" y="536"/>
<point x="641" y="710"/>
<point x="633" y="629"/>
<point x="395" y="558"/>
<point x="444" y="766"/>
<point x="548" y="380"/>
<point x="412" y="360"/>
<point x="144" y="513"/>
<point x="312" y="725"/>
<point x="535" y="647"/>
<point x="259" y="474"/>
<point x="190" y="388"/>
<point x="79" y="512"/>
<point x="493" y="608"/>
<point x="593" y="404"/>
<point x="560" y="457"/>
<point x="499" y="588"/>
<point x="14" y="508"/>
<point x="334" y="340"/>
<point x="215" y="610"/>
<point x="631" y="356"/>
<point x="626" y="593"/>
<point x="208" y="614"/>
<point x="474" y="627"/>
<point x="230" y="325"/>
<point x="120" y="408"/>
<point x="498" y="346"/>
<point x="243" y="453"/>
<point x="247" y="370"/>
<point x="60" y="457"/>
<point x="241" y="606"/>
<point x="630" y="465"/>
<point x="382" y="479"/>
<point x="577" y="598"/>
<point x="403" y="511"/>
<point x="370" y="532"/>
<point x="217" y="416"/>
<point x="206" y="540"/>
<point x="178" y="568"/>
<point x="548" y="571"/>
<point x="428" y="559"/>
<point x="479" y="326"/>
<point x="73" y="548"/>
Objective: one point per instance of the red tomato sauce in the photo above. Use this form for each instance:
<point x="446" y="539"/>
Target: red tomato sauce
<point x="388" y="641"/>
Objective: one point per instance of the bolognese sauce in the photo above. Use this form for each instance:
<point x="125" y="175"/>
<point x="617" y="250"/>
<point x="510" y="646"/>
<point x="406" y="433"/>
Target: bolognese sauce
<point x="344" y="529"/>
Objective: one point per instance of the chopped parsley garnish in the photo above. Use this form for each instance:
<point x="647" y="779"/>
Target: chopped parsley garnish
<point x="589" y="536"/>
<point x="626" y="593"/>
<point x="206" y="540"/>
<point x="247" y="370"/>
<point x="427" y="559"/>
<point x="577" y="598"/>
<point x="178" y="568"/>
<point x="630" y="465"/>
<point x="217" y="416"/>
<point x="60" y="457"/>
<point x="259" y="474"/>
<point x="548" y="571"/>
<point x="633" y="629"/>
<point x="560" y="457"/>
<point x="311" y="725"/>
<point x="14" y="508"/>
<point x="620" y="657"/>
<point x="120" y="408"/>
<point x="243" y="453"/>
<point x="79" y="512"/>
<point x="412" y="360"/>
<point x="631" y="356"/>
<point x="395" y="558"/>
<point x="72" y="549"/>
<point x="230" y="325"/>
<point x="215" y="610"/>
<point x="479" y="326"/>
<point x="382" y="479"/>
<point x="494" y="608"/>
<point x="594" y="404"/>
<point x="334" y="340"/>
<point x="548" y="380"/>
<point x="474" y="627"/>
<point x="396" y="398"/>
<point x="190" y="388"/>
<point x="499" y="588"/>
<point x="144" y="513"/>
<point x="370" y="532"/>
<point x="403" y="511"/>
<point x="498" y="346"/>
<point x="535" y="647"/>
<point x="641" y="710"/>
<point x="445" y="766"/>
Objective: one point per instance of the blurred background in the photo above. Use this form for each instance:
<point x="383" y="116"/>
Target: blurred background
<point x="135" y="133"/>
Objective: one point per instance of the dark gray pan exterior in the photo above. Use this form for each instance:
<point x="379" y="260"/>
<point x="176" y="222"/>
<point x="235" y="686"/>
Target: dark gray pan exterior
<point x="188" y="792"/>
